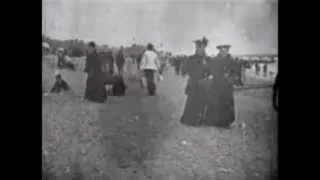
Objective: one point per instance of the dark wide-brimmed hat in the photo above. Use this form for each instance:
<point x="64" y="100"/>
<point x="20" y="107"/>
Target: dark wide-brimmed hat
<point x="225" y="46"/>
<point x="92" y="44"/>
<point x="203" y="41"/>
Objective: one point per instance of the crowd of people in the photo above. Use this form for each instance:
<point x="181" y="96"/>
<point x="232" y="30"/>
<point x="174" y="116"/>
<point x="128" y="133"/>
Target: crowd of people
<point x="209" y="89"/>
<point x="103" y="70"/>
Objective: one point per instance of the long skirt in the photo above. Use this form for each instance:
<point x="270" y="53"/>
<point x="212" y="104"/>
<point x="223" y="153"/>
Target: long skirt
<point x="95" y="89"/>
<point x="194" y="108"/>
<point x="220" y="106"/>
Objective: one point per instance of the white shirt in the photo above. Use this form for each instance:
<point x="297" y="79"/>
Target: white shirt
<point x="150" y="60"/>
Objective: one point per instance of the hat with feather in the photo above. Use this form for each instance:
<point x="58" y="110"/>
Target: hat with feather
<point x="204" y="41"/>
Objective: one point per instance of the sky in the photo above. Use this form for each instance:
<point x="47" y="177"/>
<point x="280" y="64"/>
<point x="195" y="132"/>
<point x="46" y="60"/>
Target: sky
<point x="250" y="26"/>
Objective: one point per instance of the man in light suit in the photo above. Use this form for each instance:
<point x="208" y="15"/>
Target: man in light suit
<point x="150" y="65"/>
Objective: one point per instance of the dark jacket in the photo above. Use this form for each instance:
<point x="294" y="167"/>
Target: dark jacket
<point x="60" y="86"/>
<point x="120" y="58"/>
<point x="93" y="64"/>
<point x="224" y="69"/>
<point x="196" y="70"/>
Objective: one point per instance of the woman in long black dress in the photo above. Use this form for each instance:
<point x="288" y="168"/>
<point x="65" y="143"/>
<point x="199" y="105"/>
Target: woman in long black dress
<point x="222" y="71"/>
<point x="194" y="67"/>
<point x="95" y="89"/>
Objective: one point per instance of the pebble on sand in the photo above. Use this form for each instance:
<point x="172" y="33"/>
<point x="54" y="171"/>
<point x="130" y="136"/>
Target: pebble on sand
<point x="225" y="170"/>
<point x="184" y="143"/>
<point x="67" y="169"/>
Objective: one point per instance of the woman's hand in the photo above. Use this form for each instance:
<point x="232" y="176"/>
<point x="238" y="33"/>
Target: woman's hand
<point x="85" y="78"/>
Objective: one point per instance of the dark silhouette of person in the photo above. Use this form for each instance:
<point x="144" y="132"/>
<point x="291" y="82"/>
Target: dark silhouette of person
<point x="60" y="85"/>
<point x="150" y="65"/>
<point x="95" y="84"/>
<point x="120" y="60"/>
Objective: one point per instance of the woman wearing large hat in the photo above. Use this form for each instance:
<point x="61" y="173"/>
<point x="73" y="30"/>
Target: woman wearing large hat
<point x="220" y="102"/>
<point x="195" y="67"/>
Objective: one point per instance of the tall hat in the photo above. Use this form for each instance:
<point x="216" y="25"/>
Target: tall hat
<point x="203" y="41"/>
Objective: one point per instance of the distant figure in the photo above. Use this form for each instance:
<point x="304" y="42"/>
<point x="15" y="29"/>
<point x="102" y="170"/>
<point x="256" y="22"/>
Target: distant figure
<point x="238" y="72"/>
<point x="68" y="64"/>
<point x="64" y="61"/>
<point x="95" y="90"/>
<point x="60" y="85"/>
<point x="150" y="65"/>
<point x="139" y="58"/>
<point x="120" y="60"/>
<point x="245" y="66"/>
<point x="163" y="62"/>
<point x="257" y="67"/>
<point x="61" y="58"/>
<point x="265" y="69"/>
<point x="177" y="65"/>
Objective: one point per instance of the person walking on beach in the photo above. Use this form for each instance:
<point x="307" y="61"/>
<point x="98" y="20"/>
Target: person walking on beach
<point x="95" y="89"/>
<point x="149" y="66"/>
<point x="120" y="60"/>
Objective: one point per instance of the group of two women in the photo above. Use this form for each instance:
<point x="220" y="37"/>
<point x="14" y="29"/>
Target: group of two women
<point x="210" y="87"/>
